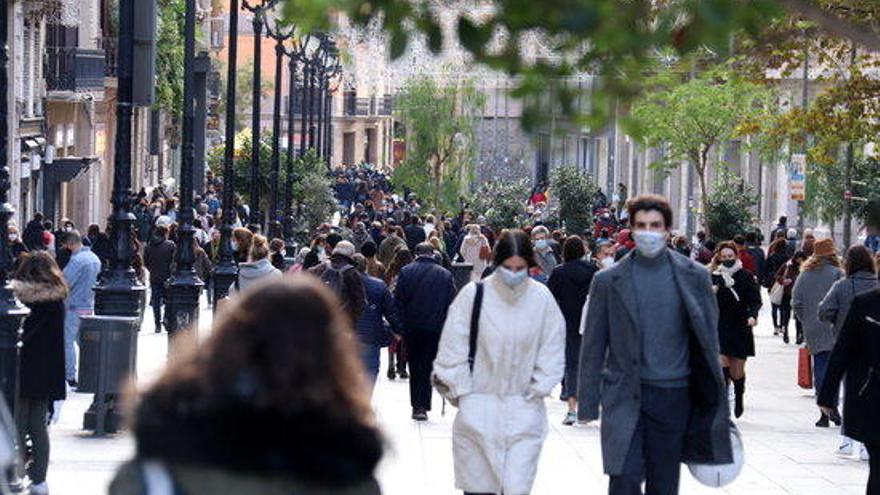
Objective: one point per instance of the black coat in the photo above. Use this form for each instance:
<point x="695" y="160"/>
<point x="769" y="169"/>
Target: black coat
<point x="570" y="284"/>
<point x="42" y="351"/>
<point x="158" y="256"/>
<point x="734" y="335"/>
<point x="415" y="235"/>
<point x="857" y="355"/>
<point x="423" y="294"/>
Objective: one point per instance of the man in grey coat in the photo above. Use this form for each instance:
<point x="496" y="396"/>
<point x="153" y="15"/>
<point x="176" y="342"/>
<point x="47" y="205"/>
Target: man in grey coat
<point x="649" y="356"/>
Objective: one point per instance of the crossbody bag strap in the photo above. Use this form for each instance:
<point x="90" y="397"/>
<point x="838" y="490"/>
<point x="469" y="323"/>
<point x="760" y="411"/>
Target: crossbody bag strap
<point x="475" y="325"/>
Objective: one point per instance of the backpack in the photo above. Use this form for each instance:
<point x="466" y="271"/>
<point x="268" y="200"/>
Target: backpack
<point x="334" y="278"/>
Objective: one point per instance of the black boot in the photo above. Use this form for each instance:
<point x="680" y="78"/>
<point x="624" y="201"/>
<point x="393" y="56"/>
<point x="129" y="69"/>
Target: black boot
<point x="726" y="371"/>
<point x="823" y="421"/>
<point x="392" y="373"/>
<point x="785" y="335"/>
<point x="739" y="390"/>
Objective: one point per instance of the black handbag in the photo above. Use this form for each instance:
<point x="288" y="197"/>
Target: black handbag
<point x="475" y="325"/>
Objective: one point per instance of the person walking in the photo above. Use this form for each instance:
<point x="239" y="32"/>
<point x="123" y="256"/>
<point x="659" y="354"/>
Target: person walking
<point x="158" y="258"/>
<point x="570" y="284"/>
<point x="423" y="294"/>
<point x="340" y="274"/>
<point x="818" y="274"/>
<point x="33" y="233"/>
<point x="397" y="349"/>
<point x="475" y="251"/>
<point x="861" y="276"/>
<point x="372" y="331"/>
<point x="856" y="355"/>
<point x="281" y="362"/>
<point x="374" y="267"/>
<point x="390" y="244"/>
<point x="545" y="258"/>
<point x="415" y="233"/>
<point x="650" y="356"/>
<point x="739" y="301"/>
<point x="776" y="258"/>
<point x="502" y="351"/>
<point x="39" y="284"/>
<point x="242" y="239"/>
<point x="81" y="275"/>
<point x="257" y="267"/>
<point x="786" y="276"/>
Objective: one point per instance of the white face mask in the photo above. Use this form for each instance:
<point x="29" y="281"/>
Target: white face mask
<point x="13" y="237"/>
<point x="511" y="278"/>
<point x="649" y="243"/>
<point x="607" y="262"/>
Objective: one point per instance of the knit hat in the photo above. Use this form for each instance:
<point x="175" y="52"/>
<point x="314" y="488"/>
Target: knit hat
<point x="824" y="247"/>
<point x="344" y="248"/>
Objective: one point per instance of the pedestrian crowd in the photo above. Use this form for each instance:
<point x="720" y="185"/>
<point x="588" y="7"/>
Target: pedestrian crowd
<point x="642" y="328"/>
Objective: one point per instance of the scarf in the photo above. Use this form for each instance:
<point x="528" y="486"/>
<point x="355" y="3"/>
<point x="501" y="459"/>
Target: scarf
<point x="726" y="275"/>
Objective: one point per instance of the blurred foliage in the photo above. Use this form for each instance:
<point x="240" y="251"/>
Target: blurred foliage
<point x="169" y="58"/>
<point x="244" y="92"/>
<point x="574" y="191"/>
<point x="692" y="117"/>
<point x="730" y="206"/>
<point x="439" y="130"/>
<point x="615" y="40"/>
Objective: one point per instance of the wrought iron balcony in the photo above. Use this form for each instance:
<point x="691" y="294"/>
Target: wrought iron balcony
<point x="74" y="69"/>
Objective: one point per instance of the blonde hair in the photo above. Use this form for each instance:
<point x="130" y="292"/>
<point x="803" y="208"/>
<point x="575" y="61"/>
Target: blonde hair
<point x="259" y="248"/>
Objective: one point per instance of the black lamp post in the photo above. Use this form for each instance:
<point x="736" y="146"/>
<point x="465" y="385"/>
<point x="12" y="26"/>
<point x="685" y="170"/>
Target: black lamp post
<point x="288" y="184"/>
<point x="226" y="270"/>
<point x="12" y="313"/>
<point x="280" y="36"/>
<point x="185" y="286"/>
<point x="305" y="110"/>
<point x="258" y="9"/>
<point x="118" y="291"/>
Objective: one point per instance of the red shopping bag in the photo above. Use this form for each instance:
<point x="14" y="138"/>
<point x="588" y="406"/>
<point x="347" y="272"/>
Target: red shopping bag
<point x="805" y="368"/>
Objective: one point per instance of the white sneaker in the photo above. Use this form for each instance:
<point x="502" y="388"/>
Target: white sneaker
<point x="846" y="448"/>
<point x="863" y="454"/>
<point x="39" y="489"/>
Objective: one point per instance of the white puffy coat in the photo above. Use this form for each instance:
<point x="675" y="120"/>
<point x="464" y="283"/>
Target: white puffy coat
<point x="501" y="423"/>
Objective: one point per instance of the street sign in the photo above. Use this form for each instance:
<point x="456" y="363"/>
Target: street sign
<point x="797" y="183"/>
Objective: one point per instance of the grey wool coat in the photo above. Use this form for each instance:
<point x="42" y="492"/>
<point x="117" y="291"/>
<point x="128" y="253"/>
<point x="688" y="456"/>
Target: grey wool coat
<point x="810" y="288"/>
<point x="835" y="305"/>
<point x="610" y="364"/>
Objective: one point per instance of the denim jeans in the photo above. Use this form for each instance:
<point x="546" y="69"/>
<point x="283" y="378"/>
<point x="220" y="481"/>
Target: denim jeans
<point x="71" y="334"/>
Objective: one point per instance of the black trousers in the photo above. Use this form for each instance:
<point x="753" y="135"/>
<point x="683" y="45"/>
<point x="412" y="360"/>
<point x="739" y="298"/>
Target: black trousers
<point x="32" y="424"/>
<point x="421" y="349"/>
<point x="654" y="455"/>
<point x="874" y="476"/>
<point x="157" y="298"/>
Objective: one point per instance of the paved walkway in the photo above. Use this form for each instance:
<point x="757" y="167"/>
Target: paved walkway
<point x="785" y="453"/>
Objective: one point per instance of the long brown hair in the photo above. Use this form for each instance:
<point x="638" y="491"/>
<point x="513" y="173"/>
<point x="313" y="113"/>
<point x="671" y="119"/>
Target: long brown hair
<point x="720" y="247"/>
<point x="402" y="257"/>
<point x="286" y="340"/>
<point x="39" y="267"/>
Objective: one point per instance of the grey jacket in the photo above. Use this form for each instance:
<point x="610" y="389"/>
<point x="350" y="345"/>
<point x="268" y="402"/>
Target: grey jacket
<point x="610" y="364"/>
<point x="835" y="305"/>
<point x="81" y="273"/>
<point x="251" y="273"/>
<point x="809" y="289"/>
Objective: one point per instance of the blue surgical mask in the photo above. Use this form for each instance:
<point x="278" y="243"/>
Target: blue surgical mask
<point x="511" y="278"/>
<point x="649" y="243"/>
<point x="541" y="244"/>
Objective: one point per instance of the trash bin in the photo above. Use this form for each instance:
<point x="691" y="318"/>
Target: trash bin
<point x="108" y="355"/>
<point x="461" y="274"/>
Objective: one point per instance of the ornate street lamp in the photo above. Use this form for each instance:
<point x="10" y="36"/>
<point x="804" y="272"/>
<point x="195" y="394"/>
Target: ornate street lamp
<point x="185" y="286"/>
<point x="226" y="270"/>
<point x="118" y="291"/>
<point x="280" y="35"/>
<point x="12" y="312"/>
<point x="258" y="9"/>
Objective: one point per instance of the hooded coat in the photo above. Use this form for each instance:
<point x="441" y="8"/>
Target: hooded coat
<point x="501" y="422"/>
<point x="252" y="272"/>
<point x="42" y="350"/>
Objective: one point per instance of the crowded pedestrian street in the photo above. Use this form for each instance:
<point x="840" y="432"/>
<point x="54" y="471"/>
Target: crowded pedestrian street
<point x="785" y="453"/>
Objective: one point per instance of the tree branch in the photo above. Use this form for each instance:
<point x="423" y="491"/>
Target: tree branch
<point x="832" y="23"/>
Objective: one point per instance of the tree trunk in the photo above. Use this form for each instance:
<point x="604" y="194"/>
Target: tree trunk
<point x="704" y="193"/>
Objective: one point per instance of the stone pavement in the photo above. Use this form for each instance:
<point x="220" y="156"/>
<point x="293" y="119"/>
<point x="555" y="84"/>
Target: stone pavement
<point x="785" y="453"/>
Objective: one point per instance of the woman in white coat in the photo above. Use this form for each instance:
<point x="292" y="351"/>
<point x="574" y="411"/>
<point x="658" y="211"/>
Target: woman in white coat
<point x="518" y="359"/>
<point x="472" y="246"/>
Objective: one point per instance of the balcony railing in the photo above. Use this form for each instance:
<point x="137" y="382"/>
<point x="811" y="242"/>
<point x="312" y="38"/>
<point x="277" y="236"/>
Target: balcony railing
<point x="110" y="47"/>
<point x="74" y="69"/>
